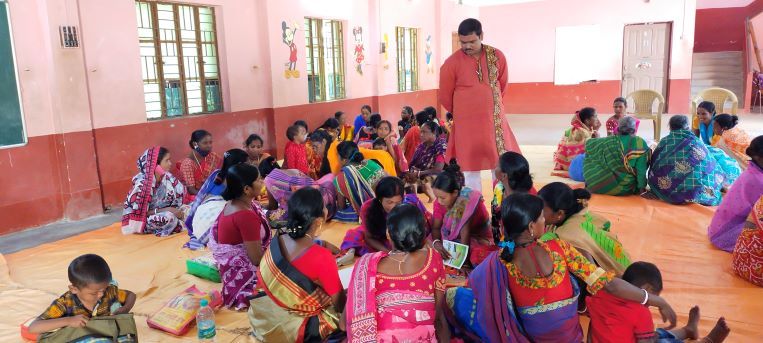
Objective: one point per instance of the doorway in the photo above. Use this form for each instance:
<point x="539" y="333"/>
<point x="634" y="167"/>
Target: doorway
<point x="646" y="57"/>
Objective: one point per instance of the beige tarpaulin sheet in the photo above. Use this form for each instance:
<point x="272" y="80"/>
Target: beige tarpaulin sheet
<point x="673" y="237"/>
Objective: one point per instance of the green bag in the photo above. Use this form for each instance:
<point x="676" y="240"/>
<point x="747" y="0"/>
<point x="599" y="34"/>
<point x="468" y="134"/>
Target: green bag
<point x="119" y="328"/>
<point x="204" y="267"/>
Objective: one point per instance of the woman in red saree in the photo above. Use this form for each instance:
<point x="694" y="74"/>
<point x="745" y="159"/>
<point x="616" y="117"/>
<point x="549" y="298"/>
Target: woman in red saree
<point x="200" y="163"/>
<point x="398" y="295"/>
<point x="585" y="125"/>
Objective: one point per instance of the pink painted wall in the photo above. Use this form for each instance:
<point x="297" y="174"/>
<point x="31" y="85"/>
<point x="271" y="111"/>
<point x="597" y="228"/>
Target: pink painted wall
<point x="451" y="15"/>
<point x="529" y="43"/>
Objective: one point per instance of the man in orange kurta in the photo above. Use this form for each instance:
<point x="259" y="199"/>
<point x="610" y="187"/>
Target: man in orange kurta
<point x="472" y="83"/>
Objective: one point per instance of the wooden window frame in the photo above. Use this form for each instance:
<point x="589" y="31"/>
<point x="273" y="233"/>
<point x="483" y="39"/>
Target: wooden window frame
<point x="178" y="41"/>
<point x="411" y="56"/>
<point x="337" y="45"/>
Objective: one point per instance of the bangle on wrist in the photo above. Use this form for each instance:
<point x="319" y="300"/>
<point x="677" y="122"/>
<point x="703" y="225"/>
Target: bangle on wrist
<point x="646" y="297"/>
<point x="435" y="242"/>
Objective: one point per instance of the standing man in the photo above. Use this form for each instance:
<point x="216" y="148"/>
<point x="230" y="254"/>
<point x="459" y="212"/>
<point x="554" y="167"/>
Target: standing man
<point x="472" y="82"/>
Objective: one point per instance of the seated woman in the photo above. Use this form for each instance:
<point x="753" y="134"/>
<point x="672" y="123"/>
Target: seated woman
<point x="407" y="119"/>
<point x="619" y="106"/>
<point x="525" y="292"/>
<point x="460" y="215"/>
<point x="585" y="125"/>
<point x="616" y="165"/>
<point x="412" y="138"/>
<point x="239" y="236"/>
<point x="356" y="181"/>
<point x="399" y="295"/>
<point x="253" y="145"/>
<point x="331" y="126"/>
<point x="371" y="235"/>
<point x="367" y="134"/>
<point x="209" y="201"/>
<point x="732" y="139"/>
<point x="154" y="203"/>
<point x="428" y="160"/>
<point x="704" y="122"/>
<point x="199" y="164"/>
<point x="282" y="183"/>
<point x="380" y="156"/>
<point x="512" y="176"/>
<point x="384" y="132"/>
<point x="321" y="140"/>
<point x="299" y="296"/>
<point x="748" y="252"/>
<point x="588" y="232"/>
<point x="685" y="170"/>
<point x="729" y="219"/>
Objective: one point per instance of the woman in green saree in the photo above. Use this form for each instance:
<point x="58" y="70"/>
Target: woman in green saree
<point x="616" y="165"/>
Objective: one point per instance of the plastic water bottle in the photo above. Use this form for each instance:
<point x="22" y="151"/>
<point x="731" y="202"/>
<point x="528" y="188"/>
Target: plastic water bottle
<point x="205" y="322"/>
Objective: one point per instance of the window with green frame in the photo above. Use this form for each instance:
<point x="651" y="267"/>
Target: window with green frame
<point x="407" y="59"/>
<point x="325" y="59"/>
<point x="179" y="59"/>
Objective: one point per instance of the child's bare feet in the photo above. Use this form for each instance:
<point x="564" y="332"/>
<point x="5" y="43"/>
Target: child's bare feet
<point x="691" y="328"/>
<point x="719" y="332"/>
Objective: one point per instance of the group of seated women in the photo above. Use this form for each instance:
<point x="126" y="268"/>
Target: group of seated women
<point x="530" y="267"/>
<point x="684" y="167"/>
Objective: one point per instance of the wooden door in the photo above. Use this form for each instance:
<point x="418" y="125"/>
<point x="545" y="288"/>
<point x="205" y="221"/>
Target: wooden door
<point x="646" y="54"/>
<point x="456" y="43"/>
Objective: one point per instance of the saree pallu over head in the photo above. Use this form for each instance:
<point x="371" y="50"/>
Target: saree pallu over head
<point x="458" y="215"/>
<point x="748" y="253"/>
<point x="735" y="142"/>
<point x="572" y="144"/>
<point x="591" y="232"/>
<point x="294" y="309"/>
<point x="616" y="165"/>
<point x="141" y="196"/>
<point x="281" y="183"/>
<point x="238" y="274"/>
<point x="356" y="182"/>
<point x="424" y="156"/>
<point x="684" y="170"/>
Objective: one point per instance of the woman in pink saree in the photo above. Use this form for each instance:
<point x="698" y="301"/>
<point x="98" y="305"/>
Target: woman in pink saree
<point x="398" y="296"/>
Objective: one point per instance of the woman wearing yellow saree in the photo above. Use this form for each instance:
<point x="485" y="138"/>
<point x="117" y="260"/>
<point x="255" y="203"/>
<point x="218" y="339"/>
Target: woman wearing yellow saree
<point x="732" y="139"/>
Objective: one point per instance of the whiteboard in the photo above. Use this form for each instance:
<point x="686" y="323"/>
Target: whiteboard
<point x="578" y="54"/>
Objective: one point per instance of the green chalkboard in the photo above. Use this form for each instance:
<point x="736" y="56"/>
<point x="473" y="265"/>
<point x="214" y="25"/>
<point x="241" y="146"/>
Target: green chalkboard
<point x="11" y="122"/>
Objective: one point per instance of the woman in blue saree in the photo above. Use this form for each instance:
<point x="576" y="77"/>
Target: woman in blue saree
<point x="515" y="296"/>
<point x="684" y="170"/>
<point x="208" y="204"/>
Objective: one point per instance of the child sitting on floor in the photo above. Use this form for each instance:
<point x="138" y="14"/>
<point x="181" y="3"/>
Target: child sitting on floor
<point x="617" y="320"/>
<point x="295" y="152"/>
<point x="90" y="294"/>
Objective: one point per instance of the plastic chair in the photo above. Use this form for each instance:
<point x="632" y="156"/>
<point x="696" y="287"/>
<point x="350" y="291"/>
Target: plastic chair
<point x="718" y="96"/>
<point x="643" y="101"/>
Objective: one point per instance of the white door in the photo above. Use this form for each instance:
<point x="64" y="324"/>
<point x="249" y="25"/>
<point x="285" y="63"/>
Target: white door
<point x="646" y="51"/>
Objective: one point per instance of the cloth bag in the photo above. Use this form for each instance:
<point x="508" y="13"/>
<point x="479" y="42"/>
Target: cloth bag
<point x="119" y="328"/>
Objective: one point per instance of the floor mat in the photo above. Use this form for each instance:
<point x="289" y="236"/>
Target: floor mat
<point x="673" y="237"/>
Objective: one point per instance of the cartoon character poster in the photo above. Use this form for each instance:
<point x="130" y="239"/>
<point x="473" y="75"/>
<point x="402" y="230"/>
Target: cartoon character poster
<point x="385" y="51"/>
<point x="428" y="54"/>
<point x="357" y="32"/>
<point x="288" y="33"/>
